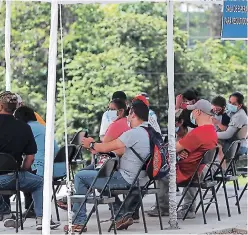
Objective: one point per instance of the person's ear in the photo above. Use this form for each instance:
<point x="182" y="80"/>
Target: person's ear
<point x="196" y="113"/>
<point x="1" y="107"/>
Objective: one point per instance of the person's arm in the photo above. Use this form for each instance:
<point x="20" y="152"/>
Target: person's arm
<point x="103" y="147"/>
<point x="27" y="162"/>
<point x="30" y="149"/>
<point x="225" y="135"/>
<point x="222" y="127"/>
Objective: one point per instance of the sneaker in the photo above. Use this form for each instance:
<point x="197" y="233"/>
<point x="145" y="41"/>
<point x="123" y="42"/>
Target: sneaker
<point x="75" y="228"/>
<point x="6" y="216"/>
<point x="11" y="222"/>
<point x="124" y="223"/>
<point x="181" y="213"/>
<point x="154" y="213"/>
<point x="53" y="225"/>
<point x="29" y="214"/>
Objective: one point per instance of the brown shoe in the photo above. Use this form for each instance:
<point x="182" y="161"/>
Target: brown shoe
<point x="124" y="223"/>
<point x="75" y="228"/>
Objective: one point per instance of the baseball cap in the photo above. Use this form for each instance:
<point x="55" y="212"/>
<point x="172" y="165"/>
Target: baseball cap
<point x="8" y="97"/>
<point x="142" y="98"/>
<point x="145" y="95"/>
<point x="19" y="98"/>
<point x="203" y="105"/>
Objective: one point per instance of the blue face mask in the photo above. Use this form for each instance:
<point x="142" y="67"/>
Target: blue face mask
<point x="177" y="129"/>
<point x="192" y="119"/>
<point x="231" y="108"/>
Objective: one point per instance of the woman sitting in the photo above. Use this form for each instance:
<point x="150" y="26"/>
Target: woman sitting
<point x="238" y="119"/>
<point x="27" y="115"/>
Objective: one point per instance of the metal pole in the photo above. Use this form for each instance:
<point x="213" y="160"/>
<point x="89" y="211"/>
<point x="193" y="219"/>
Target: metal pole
<point x="7" y="45"/>
<point x="50" y="118"/>
<point x="171" y="118"/>
<point x="188" y="41"/>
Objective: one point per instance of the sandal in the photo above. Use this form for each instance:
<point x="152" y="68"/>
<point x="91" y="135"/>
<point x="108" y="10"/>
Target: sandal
<point x="75" y="228"/>
<point x="62" y="205"/>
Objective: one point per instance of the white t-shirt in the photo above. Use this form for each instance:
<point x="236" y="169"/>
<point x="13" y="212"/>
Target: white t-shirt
<point x="107" y="118"/>
<point x="153" y="121"/>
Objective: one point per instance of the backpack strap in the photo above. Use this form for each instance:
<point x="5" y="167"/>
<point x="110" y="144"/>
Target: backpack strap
<point x="140" y="158"/>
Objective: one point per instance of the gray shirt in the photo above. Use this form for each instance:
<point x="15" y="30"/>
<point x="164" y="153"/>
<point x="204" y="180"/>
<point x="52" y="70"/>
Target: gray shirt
<point x="129" y="165"/>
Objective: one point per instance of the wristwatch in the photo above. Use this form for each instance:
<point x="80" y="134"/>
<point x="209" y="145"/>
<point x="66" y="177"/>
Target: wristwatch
<point x="92" y="145"/>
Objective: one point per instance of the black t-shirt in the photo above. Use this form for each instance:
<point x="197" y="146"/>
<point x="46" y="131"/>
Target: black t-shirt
<point x="16" y="138"/>
<point x="225" y="119"/>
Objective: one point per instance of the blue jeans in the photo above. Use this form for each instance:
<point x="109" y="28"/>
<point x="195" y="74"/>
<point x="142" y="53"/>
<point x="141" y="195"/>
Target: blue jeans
<point x="82" y="182"/>
<point x="28" y="183"/>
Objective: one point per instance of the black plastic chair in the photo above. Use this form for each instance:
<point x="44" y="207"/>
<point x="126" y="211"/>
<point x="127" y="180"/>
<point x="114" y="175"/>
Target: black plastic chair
<point x="59" y="182"/>
<point x="9" y="165"/>
<point x="77" y="158"/>
<point x="106" y="172"/>
<point x="229" y="175"/>
<point x="136" y="189"/>
<point x="243" y="172"/>
<point x="207" y="183"/>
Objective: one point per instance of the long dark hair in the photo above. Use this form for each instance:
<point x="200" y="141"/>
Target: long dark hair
<point x="240" y="100"/>
<point x="25" y="114"/>
<point x="120" y="104"/>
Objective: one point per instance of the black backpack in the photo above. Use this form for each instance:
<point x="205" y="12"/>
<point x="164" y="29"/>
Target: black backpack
<point x="157" y="165"/>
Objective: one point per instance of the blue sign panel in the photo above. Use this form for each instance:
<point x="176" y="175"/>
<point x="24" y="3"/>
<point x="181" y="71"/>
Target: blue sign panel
<point x="234" y="21"/>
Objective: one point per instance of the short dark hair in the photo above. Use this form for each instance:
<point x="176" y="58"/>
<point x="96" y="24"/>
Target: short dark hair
<point x="219" y="101"/>
<point x="190" y="94"/>
<point x="140" y="109"/>
<point x="8" y="101"/>
<point x="119" y="95"/>
<point x="120" y="104"/>
<point x="25" y="114"/>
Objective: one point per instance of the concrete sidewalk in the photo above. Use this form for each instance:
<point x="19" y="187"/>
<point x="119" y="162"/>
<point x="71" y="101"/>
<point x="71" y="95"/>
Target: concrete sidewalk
<point x="194" y="226"/>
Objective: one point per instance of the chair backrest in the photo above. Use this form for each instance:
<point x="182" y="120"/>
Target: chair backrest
<point x="8" y="163"/>
<point x="107" y="169"/>
<point x="61" y="156"/>
<point x="210" y="156"/>
<point x="78" y="137"/>
<point x="231" y="152"/>
<point x="242" y="133"/>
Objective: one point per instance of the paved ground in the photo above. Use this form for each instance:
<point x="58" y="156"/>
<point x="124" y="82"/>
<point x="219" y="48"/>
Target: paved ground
<point x="195" y="226"/>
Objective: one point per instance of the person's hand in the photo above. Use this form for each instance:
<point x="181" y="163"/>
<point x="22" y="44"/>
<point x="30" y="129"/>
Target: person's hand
<point x="215" y="121"/>
<point x="183" y="154"/>
<point x="86" y="142"/>
<point x="179" y="101"/>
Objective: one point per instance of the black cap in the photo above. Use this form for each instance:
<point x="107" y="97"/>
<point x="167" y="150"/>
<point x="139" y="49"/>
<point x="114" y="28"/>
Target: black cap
<point x="119" y="95"/>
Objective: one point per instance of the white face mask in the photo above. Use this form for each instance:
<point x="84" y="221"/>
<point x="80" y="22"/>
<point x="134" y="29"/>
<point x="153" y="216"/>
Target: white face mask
<point x="111" y="115"/>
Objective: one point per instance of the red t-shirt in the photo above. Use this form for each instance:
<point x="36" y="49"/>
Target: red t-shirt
<point x="196" y="142"/>
<point x="117" y="128"/>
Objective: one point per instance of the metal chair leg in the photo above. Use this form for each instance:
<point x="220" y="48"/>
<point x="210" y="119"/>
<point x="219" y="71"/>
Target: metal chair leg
<point x="55" y="203"/>
<point x="202" y="203"/>
<point x="159" y="212"/>
<point x="241" y="195"/>
<point x="199" y="204"/>
<point x="236" y="195"/>
<point x="142" y="211"/>
<point x="216" y="203"/>
<point x="20" y="208"/>
<point x="97" y="216"/>
<point x="113" y="216"/>
<point x="17" y="212"/>
<point x="189" y="207"/>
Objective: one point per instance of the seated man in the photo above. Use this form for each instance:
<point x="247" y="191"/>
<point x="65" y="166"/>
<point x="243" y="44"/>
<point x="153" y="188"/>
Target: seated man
<point x="221" y="119"/>
<point x="16" y="139"/>
<point x="152" y="118"/>
<point x="195" y="143"/>
<point x="129" y="163"/>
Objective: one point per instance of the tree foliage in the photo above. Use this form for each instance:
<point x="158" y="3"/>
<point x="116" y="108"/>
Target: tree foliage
<point x="113" y="47"/>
